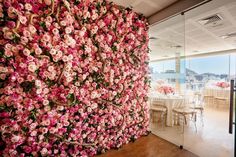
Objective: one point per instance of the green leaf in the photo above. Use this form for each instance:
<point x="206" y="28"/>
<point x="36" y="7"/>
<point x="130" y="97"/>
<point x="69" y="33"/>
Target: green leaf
<point x="70" y="97"/>
<point x="106" y="84"/>
<point x="86" y="120"/>
<point x="134" y="28"/>
<point x="16" y="39"/>
<point x="37" y="72"/>
<point x="104" y="3"/>
<point x="50" y="82"/>
<point x="51" y="104"/>
<point x="75" y="79"/>
<point x="49" y="55"/>
<point x="84" y="56"/>
<point x="132" y="138"/>
<point x="82" y="47"/>
<point x="2" y="108"/>
<point x="84" y="21"/>
<point x="33" y="115"/>
<point x="25" y="129"/>
<point x="43" y="25"/>
<point x="114" y="48"/>
<point x="96" y="44"/>
<point x="69" y="128"/>
<point x="77" y="2"/>
<point x="147" y="80"/>
<point x="1" y="53"/>
<point x="98" y="6"/>
<point x="27" y="86"/>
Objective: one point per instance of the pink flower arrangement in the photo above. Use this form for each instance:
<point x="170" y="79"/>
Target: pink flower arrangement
<point x="160" y="82"/>
<point x="73" y="77"/>
<point x="222" y="84"/>
<point x="166" y="90"/>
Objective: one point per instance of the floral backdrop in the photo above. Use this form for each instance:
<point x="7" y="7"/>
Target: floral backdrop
<point x="73" y="77"/>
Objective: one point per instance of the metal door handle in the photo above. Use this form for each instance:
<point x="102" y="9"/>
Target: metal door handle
<point x="231" y="105"/>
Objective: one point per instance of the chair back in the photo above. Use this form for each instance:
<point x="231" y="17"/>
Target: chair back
<point x="158" y="103"/>
<point x="180" y="104"/>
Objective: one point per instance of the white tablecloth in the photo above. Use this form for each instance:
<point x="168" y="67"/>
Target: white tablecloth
<point x="217" y="92"/>
<point x="170" y="103"/>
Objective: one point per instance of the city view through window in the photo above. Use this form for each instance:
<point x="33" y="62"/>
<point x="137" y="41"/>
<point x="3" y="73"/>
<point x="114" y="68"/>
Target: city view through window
<point x="195" y="73"/>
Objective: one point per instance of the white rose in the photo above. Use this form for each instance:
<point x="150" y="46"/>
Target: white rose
<point x="68" y="30"/>
<point x="53" y="51"/>
<point x="39" y="91"/>
<point x="38" y="51"/>
<point x="37" y="82"/>
<point x="32" y="29"/>
<point x="44" y="151"/>
<point x="33" y="133"/>
<point x="45" y="102"/>
<point x="32" y="67"/>
<point x="94" y="106"/>
<point x="15" y="138"/>
<point x="26" y="52"/>
<point x="50" y="68"/>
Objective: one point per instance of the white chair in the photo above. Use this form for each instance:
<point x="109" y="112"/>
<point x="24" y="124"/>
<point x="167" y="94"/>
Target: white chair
<point x="198" y="106"/>
<point x="183" y="114"/>
<point x="221" y="98"/>
<point x="158" y="107"/>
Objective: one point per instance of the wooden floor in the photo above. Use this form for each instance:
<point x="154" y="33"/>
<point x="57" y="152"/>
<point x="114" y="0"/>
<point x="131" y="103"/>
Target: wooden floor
<point x="149" y="146"/>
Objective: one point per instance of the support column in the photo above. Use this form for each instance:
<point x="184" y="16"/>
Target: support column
<point x="177" y="69"/>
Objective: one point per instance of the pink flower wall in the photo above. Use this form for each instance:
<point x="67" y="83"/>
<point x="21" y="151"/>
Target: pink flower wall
<point x="73" y="77"/>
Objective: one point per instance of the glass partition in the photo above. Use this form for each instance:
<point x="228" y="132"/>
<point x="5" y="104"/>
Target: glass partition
<point x="193" y="63"/>
<point x="167" y="70"/>
<point x="210" y="67"/>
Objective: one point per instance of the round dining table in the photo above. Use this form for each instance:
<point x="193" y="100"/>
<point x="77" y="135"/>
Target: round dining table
<point x="171" y="102"/>
<point x="217" y="92"/>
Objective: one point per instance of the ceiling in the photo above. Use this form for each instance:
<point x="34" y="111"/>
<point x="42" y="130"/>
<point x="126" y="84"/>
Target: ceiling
<point x="146" y="7"/>
<point x="186" y="35"/>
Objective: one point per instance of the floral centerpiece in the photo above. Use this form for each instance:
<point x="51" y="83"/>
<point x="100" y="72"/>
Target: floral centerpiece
<point x="73" y="77"/>
<point x="222" y="84"/>
<point x="165" y="89"/>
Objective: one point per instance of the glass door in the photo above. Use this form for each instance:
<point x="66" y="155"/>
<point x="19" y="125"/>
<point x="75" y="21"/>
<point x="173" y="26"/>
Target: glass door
<point x="232" y="103"/>
<point x="209" y="84"/>
<point x="210" y="71"/>
<point x="167" y="72"/>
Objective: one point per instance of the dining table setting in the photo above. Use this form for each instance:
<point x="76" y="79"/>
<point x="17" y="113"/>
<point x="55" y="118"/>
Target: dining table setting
<point x="215" y="92"/>
<point x="169" y="99"/>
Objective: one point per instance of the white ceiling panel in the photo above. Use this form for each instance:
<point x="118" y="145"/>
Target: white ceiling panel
<point x="195" y="37"/>
<point x="146" y="7"/>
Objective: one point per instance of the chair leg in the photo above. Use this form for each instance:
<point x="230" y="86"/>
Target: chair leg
<point x="184" y="122"/>
<point x="202" y="120"/>
<point x="195" y="121"/>
<point x="185" y="119"/>
<point x="163" y="120"/>
<point x="151" y="116"/>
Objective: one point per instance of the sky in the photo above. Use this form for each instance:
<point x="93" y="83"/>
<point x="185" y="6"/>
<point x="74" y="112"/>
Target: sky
<point x="213" y="64"/>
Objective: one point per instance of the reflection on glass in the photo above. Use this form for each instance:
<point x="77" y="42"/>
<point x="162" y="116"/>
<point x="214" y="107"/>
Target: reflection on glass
<point x="200" y="72"/>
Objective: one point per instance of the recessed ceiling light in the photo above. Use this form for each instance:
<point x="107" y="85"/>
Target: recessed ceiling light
<point x="165" y="56"/>
<point x="176" y="46"/>
<point x="224" y="36"/>
<point x="229" y="35"/>
<point x="153" y="38"/>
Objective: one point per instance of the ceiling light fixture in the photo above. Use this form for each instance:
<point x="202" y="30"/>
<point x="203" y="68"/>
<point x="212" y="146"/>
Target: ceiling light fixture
<point x="153" y="38"/>
<point x="176" y="46"/>
<point x="224" y="36"/>
<point x="165" y="56"/>
<point x="228" y="35"/>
